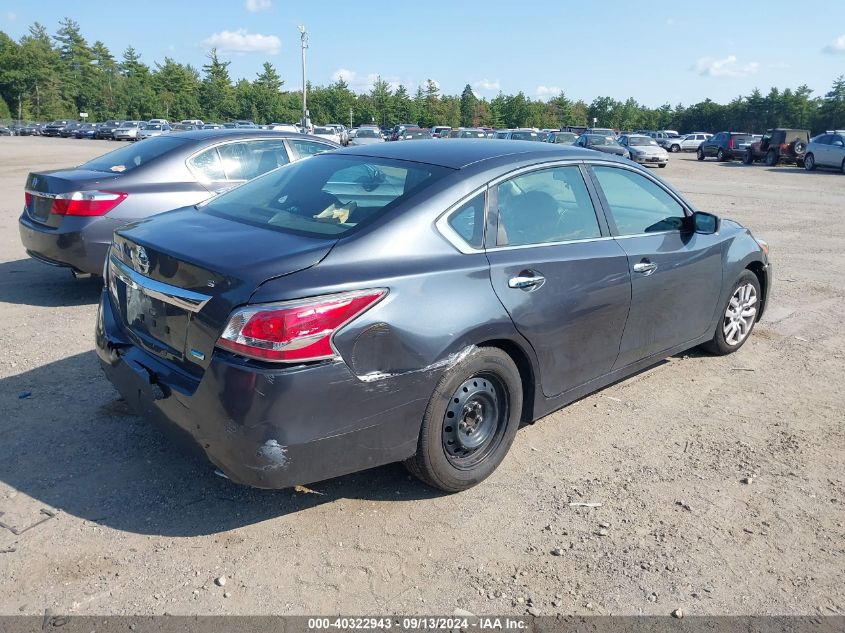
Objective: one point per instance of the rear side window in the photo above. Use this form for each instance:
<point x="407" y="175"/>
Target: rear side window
<point x="133" y="156"/>
<point x="468" y="221"/>
<point x="306" y="148"/>
<point x="326" y="196"/>
<point x="638" y="205"/>
<point x="246" y="160"/>
<point x="549" y="205"/>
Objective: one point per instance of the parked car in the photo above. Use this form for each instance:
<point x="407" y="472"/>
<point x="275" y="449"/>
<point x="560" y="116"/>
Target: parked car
<point x="826" y="150"/>
<point x="327" y="132"/>
<point x="283" y="127"/>
<point x="342" y="273"/>
<point x="603" y="131"/>
<point x="437" y="131"/>
<point x="159" y="122"/>
<point x="184" y="127"/>
<point x="197" y="123"/>
<point x="523" y="135"/>
<point x="644" y="150"/>
<point x="6" y="131"/>
<point x="467" y="132"/>
<point x="219" y="126"/>
<point x="70" y="129"/>
<point x="86" y="130"/>
<point x="152" y="129"/>
<point x="564" y="138"/>
<point x="724" y="146"/>
<point x="30" y="129"/>
<point x="500" y="134"/>
<point x="779" y="145"/>
<point x="107" y="128"/>
<point x="54" y="128"/>
<point x="70" y="214"/>
<point x="366" y="136"/>
<point x="687" y="143"/>
<point x="602" y="143"/>
<point x="413" y="134"/>
<point x="128" y="131"/>
<point x="397" y="130"/>
<point x="342" y="132"/>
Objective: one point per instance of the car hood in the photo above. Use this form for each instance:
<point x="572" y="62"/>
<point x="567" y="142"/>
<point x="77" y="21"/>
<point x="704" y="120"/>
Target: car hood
<point x="610" y="149"/>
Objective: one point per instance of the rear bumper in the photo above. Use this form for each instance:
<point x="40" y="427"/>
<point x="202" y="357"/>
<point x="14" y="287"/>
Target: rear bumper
<point x="650" y="160"/>
<point x="79" y="243"/>
<point x="269" y="427"/>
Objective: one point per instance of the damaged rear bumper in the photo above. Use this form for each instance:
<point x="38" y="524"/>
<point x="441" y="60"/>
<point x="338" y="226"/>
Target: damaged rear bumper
<point x="270" y="427"/>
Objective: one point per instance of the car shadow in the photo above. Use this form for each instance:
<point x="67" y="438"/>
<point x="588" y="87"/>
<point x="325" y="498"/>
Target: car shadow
<point x="70" y="444"/>
<point x="30" y="282"/>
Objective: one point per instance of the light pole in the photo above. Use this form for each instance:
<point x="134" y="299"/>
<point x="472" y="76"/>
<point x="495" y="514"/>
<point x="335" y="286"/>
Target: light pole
<point x="303" y="35"/>
<point x="350" y="118"/>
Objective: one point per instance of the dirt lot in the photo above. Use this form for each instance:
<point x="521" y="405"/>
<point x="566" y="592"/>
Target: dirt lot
<point x="140" y="529"/>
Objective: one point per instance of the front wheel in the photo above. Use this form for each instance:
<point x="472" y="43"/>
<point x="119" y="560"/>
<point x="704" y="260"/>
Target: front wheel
<point x="470" y="422"/>
<point x="675" y="148"/>
<point x="771" y="158"/>
<point x="738" y="316"/>
<point x="809" y="162"/>
<point x="748" y="157"/>
<point x="700" y="154"/>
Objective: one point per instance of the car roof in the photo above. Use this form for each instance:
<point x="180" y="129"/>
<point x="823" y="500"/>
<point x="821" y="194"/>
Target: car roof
<point x="223" y="133"/>
<point x="459" y="153"/>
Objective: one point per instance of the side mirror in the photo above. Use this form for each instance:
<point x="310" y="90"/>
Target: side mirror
<point x="705" y="223"/>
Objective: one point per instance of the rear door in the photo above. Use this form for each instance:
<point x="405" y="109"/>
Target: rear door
<point x="564" y="282"/>
<point x="676" y="274"/>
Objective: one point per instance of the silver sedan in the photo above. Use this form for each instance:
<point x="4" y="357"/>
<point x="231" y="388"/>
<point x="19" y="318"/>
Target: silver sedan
<point x="644" y="150"/>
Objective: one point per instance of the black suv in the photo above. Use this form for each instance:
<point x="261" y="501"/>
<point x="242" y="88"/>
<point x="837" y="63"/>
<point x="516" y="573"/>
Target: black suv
<point x="724" y="145"/>
<point x="106" y="130"/>
<point x="55" y="128"/>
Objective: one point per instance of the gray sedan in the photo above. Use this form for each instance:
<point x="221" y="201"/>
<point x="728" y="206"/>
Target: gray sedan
<point x="70" y="214"/>
<point x="602" y="143"/>
<point x="413" y="302"/>
<point x="644" y="149"/>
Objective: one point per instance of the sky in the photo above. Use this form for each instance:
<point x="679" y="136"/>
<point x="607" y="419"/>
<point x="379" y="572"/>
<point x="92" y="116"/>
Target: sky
<point x="656" y="52"/>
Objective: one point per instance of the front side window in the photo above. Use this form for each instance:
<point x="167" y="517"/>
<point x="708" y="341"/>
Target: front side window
<point x="549" y="205"/>
<point x="637" y="204"/>
<point x="326" y="196"/>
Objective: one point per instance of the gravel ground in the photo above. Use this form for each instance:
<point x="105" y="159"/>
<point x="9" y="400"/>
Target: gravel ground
<point x="720" y="479"/>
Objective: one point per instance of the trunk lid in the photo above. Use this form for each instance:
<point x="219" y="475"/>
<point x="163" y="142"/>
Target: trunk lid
<point x="175" y="279"/>
<point x="44" y="186"/>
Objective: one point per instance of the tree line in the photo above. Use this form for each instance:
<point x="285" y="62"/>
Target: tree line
<point x="44" y="77"/>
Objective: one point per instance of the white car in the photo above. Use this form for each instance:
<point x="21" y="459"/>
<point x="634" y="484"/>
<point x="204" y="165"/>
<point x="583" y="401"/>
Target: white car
<point x="159" y="122"/>
<point x="688" y="143"/>
<point x="325" y="131"/>
<point x="128" y="130"/>
<point x="644" y="149"/>
<point x="283" y="127"/>
<point x="152" y="129"/>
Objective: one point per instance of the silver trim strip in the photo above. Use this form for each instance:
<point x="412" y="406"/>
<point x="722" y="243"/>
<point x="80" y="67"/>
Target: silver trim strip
<point x="42" y="194"/>
<point x="179" y="297"/>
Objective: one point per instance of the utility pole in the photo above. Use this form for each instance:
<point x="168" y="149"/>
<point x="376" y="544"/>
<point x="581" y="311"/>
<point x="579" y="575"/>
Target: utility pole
<point x="303" y="35"/>
<point x="350" y="118"/>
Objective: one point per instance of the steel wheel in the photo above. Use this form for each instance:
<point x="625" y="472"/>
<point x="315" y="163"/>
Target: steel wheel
<point x="740" y="315"/>
<point x="474" y="420"/>
<point x="809" y="162"/>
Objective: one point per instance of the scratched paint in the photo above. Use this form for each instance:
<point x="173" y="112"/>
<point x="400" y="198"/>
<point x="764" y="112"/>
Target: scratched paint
<point x="274" y="453"/>
<point x="449" y="361"/>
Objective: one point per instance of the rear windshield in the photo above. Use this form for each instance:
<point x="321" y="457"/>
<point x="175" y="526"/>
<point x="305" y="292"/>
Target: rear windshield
<point x="326" y="195"/>
<point x="641" y="140"/>
<point x="366" y="134"/>
<point x="133" y="156"/>
<point x="524" y="136"/>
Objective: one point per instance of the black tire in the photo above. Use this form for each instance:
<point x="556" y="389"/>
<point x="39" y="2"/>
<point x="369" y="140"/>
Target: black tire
<point x="799" y="147"/>
<point x="661" y="165"/>
<point x="810" y="162"/>
<point x="675" y="148"/>
<point x="718" y="345"/>
<point x="771" y="158"/>
<point x="700" y="154"/>
<point x="748" y="157"/>
<point x="843" y="166"/>
<point x="720" y="155"/>
<point x="440" y="460"/>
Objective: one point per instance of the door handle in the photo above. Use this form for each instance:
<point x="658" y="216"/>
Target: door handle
<point x="645" y="267"/>
<point x="526" y="282"/>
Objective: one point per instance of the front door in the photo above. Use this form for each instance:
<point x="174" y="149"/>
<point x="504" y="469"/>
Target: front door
<point x="676" y="274"/>
<point x="562" y="279"/>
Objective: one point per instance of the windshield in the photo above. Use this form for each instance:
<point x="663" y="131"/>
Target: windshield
<point x="524" y="136"/>
<point x="327" y="195"/>
<point x="134" y="155"/>
<point x="154" y="126"/>
<point x="324" y="130"/>
<point x="641" y="140"/>
<point x="597" y="139"/>
<point x="366" y="134"/>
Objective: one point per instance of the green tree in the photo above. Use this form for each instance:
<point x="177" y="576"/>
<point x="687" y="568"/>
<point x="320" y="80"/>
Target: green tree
<point x="469" y="103"/>
<point x="216" y="94"/>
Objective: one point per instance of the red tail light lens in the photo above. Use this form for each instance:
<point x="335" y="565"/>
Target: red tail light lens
<point x="27" y="199"/>
<point x="731" y="143"/>
<point x="294" y="331"/>
<point x="87" y="203"/>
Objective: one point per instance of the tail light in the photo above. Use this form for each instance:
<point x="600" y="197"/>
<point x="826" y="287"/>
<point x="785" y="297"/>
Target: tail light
<point x="87" y="203"/>
<point x="294" y="331"/>
<point x="731" y="143"/>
